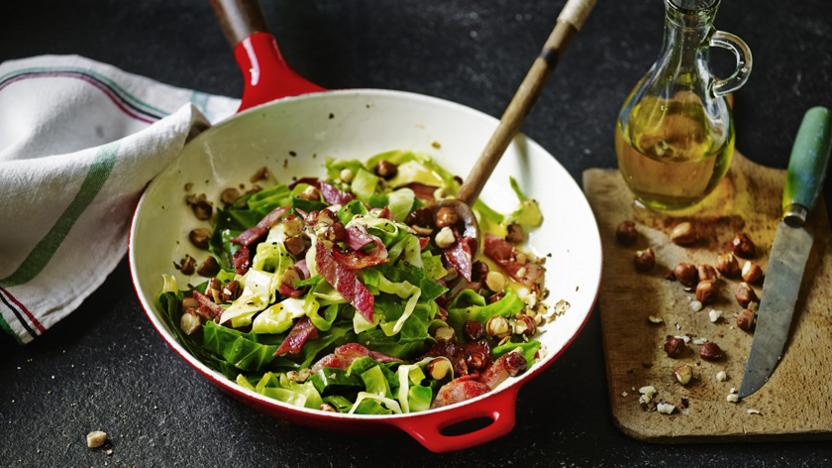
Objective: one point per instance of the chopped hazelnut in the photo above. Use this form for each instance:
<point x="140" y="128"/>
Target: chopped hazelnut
<point x="473" y="330"/>
<point x="346" y="175"/>
<point x="745" y="295"/>
<point x="310" y="194"/>
<point x="515" y="234"/>
<point x="189" y="323"/>
<point x="683" y="374"/>
<point x="229" y="195"/>
<point x="686" y="274"/>
<point x="385" y="169"/>
<point x="721" y="376"/>
<point x="479" y="271"/>
<point x="187" y="265"/>
<point x="292" y="225"/>
<point x="644" y="260"/>
<point x="445" y="238"/>
<point x="727" y="265"/>
<point x="498" y="327"/>
<point x="626" y="233"/>
<point x="96" y="439"/>
<point x="446" y="217"/>
<point x="683" y="234"/>
<point x="199" y="237"/>
<point x="260" y="174"/>
<point x="674" y="347"/>
<point x="439" y="368"/>
<point x="495" y="281"/>
<point x="706" y="292"/>
<point x="444" y="333"/>
<point x="706" y="272"/>
<point x="295" y="245"/>
<point x="745" y="320"/>
<point x="751" y="273"/>
<point x="710" y="351"/>
<point x="743" y="246"/>
<point x="524" y="325"/>
<point x="208" y="268"/>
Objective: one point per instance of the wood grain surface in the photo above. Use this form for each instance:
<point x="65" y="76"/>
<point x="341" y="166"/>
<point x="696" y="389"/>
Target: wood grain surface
<point x="795" y="403"/>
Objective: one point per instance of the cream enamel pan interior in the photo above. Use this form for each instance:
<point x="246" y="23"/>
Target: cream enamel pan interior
<point x="363" y="123"/>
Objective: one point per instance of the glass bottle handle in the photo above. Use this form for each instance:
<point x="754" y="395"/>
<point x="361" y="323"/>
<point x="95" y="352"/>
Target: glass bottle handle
<point x="741" y="51"/>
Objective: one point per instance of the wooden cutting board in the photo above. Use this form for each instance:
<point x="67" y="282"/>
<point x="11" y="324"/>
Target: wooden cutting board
<point x="795" y="403"/>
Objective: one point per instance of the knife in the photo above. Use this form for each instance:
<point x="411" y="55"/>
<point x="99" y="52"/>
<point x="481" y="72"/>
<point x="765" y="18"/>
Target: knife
<point x="792" y="244"/>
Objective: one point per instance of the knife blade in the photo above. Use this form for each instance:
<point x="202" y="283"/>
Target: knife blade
<point x="790" y="251"/>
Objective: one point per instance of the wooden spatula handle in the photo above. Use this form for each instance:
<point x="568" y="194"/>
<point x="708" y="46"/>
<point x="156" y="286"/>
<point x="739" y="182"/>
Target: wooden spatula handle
<point x="239" y="19"/>
<point x="569" y="21"/>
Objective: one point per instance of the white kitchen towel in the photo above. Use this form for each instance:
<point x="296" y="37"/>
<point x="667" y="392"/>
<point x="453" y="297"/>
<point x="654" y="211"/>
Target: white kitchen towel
<point x="79" y="140"/>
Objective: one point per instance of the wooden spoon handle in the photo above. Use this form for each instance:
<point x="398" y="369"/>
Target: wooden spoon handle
<point x="570" y="20"/>
<point x="239" y="18"/>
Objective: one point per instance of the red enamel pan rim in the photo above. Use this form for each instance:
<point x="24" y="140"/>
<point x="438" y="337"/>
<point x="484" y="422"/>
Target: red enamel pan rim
<point x="440" y="417"/>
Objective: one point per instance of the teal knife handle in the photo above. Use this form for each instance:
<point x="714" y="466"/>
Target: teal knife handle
<point x="807" y="165"/>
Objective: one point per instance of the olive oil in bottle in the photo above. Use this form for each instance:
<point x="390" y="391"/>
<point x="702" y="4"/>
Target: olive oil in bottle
<point x="670" y="154"/>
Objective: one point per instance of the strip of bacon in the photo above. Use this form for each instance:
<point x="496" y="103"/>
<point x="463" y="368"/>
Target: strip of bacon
<point x="357" y="260"/>
<point x="207" y="308"/>
<point x="344" y="281"/>
<point x="303" y="267"/>
<point x="313" y="181"/>
<point x="507" y="365"/>
<point x="504" y="254"/>
<point x="344" y="355"/>
<point x="301" y="332"/>
<point x="461" y="389"/>
<point x="333" y="196"/>
<point x="253" y="234"/>
<point x="461" y="256"/>
<point x="287" y="290"/>
<point x="242" y="260"/>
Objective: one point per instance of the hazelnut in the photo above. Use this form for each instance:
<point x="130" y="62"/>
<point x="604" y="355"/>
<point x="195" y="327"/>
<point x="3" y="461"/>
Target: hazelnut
<point x="686" y="274"/>
<point x="439" y="368"/>
<point x="386" y="170"/>
<point x="683" y="234"/>
<point x="683" y="374"/>
<point x="310" y="194"/>
<point x="743" y="246"/>
<point x="96" y="439"/>
<point x="199" y="237"/>
<point x="189" y="304"/>
<point x="444" y="238"/>
<point x="230" y="291"/>
<point x="295" y="245"/>
<point x="291" y="276"/>
<point x="260" y="174"/>
<point x="524" y="325"/>
<point x="626" y="233"/>
<point x="498" y="327"/>
<point x="292" y="225"/>
<point x="745" y="320"/>
<point x="335" y="232"/>
<point x="495" y="281"/>
<point x="190" y="323"/>
<point x="209" y="268"/>
<point x="446" y="216"/>
<point x="706" y="272"/>
<point x="745" y="295"/>
<point x="515" y="234"/>
<point x="346" y="175"/>
<point x="751" y="272"/>
<point x="479" y="271"/>
<point x="473" y="330"/>
<point x="674" y="347"/>
<point x="644" y="260"/>
<point x="710" y="351"/>
<point x="327" y="408"/>
<point x="229" y="195"/>
<point x="201" y="207"/>
<point x="727" y="265"/>
<point x="444" y="334"/>
<point x="187" y="265"/>
<point x="214" y="290"/>
<point x="706" y="291"/>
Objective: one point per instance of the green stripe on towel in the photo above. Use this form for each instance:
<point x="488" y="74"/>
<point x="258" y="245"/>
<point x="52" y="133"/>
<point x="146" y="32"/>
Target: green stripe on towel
<point x="40" y="255"/>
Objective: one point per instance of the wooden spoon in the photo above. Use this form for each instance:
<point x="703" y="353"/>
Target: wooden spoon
<point x="569" y="21"/>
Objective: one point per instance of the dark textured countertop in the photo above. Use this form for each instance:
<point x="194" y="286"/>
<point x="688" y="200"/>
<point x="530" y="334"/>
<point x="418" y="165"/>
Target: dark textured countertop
<point x="104" y="367"/>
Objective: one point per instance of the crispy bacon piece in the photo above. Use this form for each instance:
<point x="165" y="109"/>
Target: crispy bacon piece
<point x="286" y="290"/>
<point x="242" y="260"/>
<point x="207" y="308"/>
<point x="344" y="281"/>
<point x="356" y="260"/>
<point x="344" y="356"/>
<point x="301" y="332"/>
<point x="507" y="365"/>
<point x="423" y="192"/>
<point x="253" y="234"/>
<point x="357" y="239"/>
<point x="461" y="389"/>
<point x="461" y="256"/>
<point x="333" y="196"/>
<point x="504" y="254"/>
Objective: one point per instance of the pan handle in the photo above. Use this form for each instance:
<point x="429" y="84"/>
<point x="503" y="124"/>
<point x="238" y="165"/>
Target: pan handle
<point x="427" y="429"/>
<point x="266" y="74"/>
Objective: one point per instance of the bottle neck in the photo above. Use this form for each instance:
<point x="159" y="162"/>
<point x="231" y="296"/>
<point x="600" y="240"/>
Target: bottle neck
<point x="686" y="34"/>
